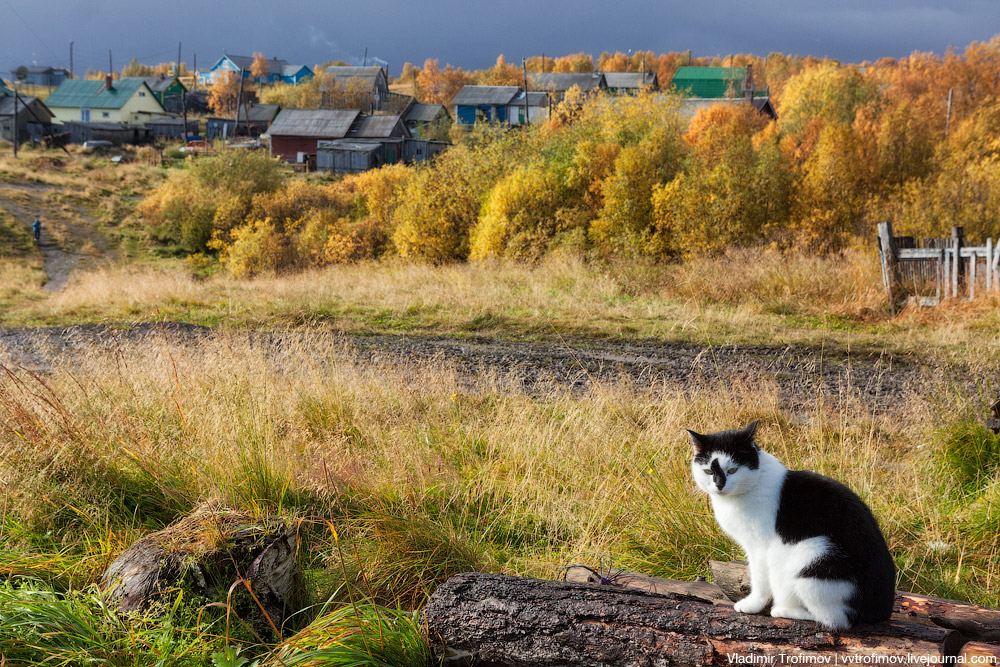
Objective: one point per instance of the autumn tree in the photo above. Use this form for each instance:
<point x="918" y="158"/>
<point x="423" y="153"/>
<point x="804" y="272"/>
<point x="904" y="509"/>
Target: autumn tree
<point x="224" y="94"/>
<point x="352" y="93"/>
<point x="437" y="86"/>
<point x="501" y="74"/>
<point x="135" y="68"/>
<point x="259" y="69"/>
<point x="829" y="92"/>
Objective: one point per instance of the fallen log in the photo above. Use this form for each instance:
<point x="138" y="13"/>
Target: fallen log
<point x="973" y="621"/>
<point x="205" y="554"/>
<point x="503" y="621"/>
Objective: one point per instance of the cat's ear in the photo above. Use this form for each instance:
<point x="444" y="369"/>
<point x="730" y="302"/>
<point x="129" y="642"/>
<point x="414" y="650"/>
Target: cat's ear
<point x="697" y="439"/>
<point x="750" y="430"/>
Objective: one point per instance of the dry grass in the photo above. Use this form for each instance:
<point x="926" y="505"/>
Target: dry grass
<point x="750" y="297"/>
<point x="413" y="465"/>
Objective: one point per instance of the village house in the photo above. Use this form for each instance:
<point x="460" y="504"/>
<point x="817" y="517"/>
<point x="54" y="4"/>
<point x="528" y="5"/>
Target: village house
<point x="33" y="118"/>
<point x="419" y="117"/>
<point x="557" y="84"/>
<point x="630" y="83"/>
<point x="375" y="79"/>
<point x="538" y="108"/>
<point x="295" y="132"/>
<point x="706" y="86"/>
<point x="106" y="101"/>
<point x="38" y="75"/>
<point x="163" y="87"/>
<point x="489" y="104"/>
<point x="278" y="71"/>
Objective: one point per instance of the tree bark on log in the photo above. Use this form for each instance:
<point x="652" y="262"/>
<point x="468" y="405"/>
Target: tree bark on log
<point x="502" y="621"/>
<point x="973" y="621"/>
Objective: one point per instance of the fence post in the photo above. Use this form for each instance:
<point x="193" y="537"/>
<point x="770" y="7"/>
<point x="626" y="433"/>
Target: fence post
<point x="989" y="264"/>
<point x="888" y="252"/>
<point x="957" y="236"/>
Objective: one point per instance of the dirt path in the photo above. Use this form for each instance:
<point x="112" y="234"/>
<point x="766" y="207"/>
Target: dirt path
<point x="70" y="238"/>
<point x="801" y="376"/>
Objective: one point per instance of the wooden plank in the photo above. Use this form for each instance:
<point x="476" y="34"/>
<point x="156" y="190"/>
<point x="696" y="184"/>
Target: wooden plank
<point x="989" y="261"/>
<point x="888" y="262"/>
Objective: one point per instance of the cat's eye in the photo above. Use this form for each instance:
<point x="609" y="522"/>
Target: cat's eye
<point x="707" y="471"/>
<point x="730" y="471"/>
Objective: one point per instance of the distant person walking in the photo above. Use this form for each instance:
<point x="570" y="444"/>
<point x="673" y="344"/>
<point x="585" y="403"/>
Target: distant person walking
<point x="36" y="229"/>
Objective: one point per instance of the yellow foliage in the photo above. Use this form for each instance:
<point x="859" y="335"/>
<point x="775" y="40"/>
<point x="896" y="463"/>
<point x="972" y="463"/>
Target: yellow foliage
<point x="255" y="248"/>
<point x="519" y="217"/>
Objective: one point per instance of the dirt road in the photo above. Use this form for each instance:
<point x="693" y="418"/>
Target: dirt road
<point x="70" y="237"/>
<point x="801" y="376"/>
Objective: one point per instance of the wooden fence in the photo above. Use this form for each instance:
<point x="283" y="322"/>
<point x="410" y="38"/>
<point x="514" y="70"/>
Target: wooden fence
<point x="947" y="266"/>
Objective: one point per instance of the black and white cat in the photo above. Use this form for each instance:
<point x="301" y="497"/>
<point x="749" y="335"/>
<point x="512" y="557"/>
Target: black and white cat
<point x="814" y="548"/>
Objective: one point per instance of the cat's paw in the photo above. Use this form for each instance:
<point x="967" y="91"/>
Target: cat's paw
<point x="750" y="605"/>
<point x="797" y="613"/>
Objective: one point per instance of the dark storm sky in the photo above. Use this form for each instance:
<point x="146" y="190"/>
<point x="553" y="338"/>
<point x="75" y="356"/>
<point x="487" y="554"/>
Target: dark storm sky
<point x="471" y="33"/>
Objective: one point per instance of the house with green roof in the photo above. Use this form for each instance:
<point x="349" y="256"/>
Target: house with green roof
<point x="704" y="86"/>
<point x="108" y="101"/>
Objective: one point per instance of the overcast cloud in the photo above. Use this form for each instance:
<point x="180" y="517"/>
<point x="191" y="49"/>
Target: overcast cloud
<point x="471" y="33"/>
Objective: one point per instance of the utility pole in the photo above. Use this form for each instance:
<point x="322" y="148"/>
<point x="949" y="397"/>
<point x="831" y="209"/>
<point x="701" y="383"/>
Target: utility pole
<point x="15" y="122"/>
<point x="111" y="68"/>
<point x="524" y="66"/>
<point x="178" y="72"/>
<point x="365" y="61"/>
<point x="71" y="58"/>
<point x="239" y="101"/>
<point x="195" y="85"/>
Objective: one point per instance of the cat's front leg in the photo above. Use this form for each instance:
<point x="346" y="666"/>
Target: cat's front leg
<point x="760" y="587"/>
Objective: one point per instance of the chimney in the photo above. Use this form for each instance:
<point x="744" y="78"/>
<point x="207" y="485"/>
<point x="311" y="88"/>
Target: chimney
<point x="107" y="83"/>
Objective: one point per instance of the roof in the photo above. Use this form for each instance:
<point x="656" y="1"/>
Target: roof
<point x="349" y="145"/>
<point x="708" y="81"/>
<point x="563" y="81"/>
<point x="90" y="94"/>
<point x="158" y="84"/>
<point x="535" y="99"/>
<point x="629" y="79"/>
<point x="377" y="127"/>
<point x="369" y="74"/>
<point x="424" y="113"/>
<point x="690" y="105"/>
<point x="4" y="90"/>
<point x="259" y="113"/>
<point x="490" y="95"/>
<point x="7" y="104"/>
<point x="327" y="123"/>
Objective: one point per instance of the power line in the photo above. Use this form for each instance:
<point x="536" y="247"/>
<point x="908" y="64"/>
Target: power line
<point x="30" y="29"/>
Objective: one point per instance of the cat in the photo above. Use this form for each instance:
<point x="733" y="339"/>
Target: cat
<point x="815" y="550"/>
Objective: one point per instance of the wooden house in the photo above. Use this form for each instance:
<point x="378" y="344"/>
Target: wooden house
<point x="418" y="117"/>
<point x="630" y="83"/>
<point x="162" y="86"/>
<point x="295" y="132"/>
<point x="105" y="101"/>
<point x="33" y="118"/>
<point x="117" y="133"/>
<point x="704" y="86"/>
<point x="488" y="104"/>
<point x="278" y="71"/>
<point x="374" y="78"/>
<point x="538" y="108"/>
<point x="557" y="84"/>
<point x="39" y="75"/>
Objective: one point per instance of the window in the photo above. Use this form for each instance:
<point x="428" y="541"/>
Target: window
<point x="142" y="93"/>
<point x="105" y="114"/>
<point x="85" y="115"/>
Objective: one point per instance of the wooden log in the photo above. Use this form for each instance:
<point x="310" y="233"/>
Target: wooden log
<point x="977" y="653"/>
<point x="503" y="621"/>
<point x="699" y="589"/>
<point x="205" y="553"/>
<point x="973" y="621"/>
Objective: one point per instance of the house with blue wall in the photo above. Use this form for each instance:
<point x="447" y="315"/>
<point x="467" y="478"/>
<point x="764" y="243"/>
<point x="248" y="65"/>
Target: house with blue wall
<point x="488" y="104"/>
<point x="278" y="71"/>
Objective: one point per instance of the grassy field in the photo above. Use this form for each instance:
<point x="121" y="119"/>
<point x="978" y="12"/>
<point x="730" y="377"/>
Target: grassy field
<point x="413" y="470"/>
